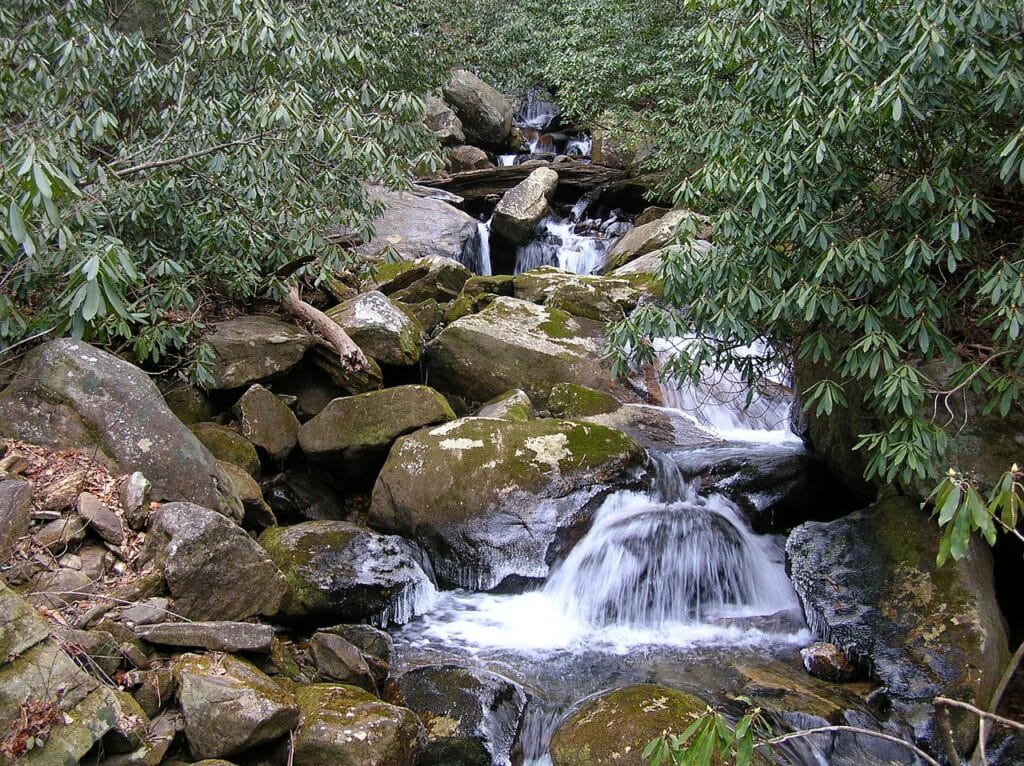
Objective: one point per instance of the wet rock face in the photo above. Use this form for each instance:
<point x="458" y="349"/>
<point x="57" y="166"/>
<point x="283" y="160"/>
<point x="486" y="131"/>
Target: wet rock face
<point x="472" y="716"/>
<point x="869" y="584"/>
<point x="254" y="348"/>
<point x="339" y="572"/>
<point x="533" y="482"/>
<point x="212" y="568"/>
<point x="349" y="726"/>
<point x="517" y="344"/>
<point x="614" y="728"/>
<point x="486" y="115"/>
<point x="70" y="395"/>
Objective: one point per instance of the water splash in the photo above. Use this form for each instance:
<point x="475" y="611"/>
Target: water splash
<point x="557" y="243"/>
<point x="484" y="247"/>
<point x="536" y="111"/>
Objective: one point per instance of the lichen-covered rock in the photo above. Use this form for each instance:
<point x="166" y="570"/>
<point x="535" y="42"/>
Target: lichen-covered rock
<point x="380" y="328"/>
<point x="521" y="207"/>
<point x="516" y="344"/>
<point x="512" y="405"/>
<point x="15" y="504"/>
<point x="229" y="705"/>
<point x="340" y="572"/>
<point x="570" y="401"/>
<point x="614" y="728"/>
<point x="216" y="636"/>
<point x="353" y="434"/>
<point x="486" y="114"/>
<point x="658" y="428"/>
<point x="228" y="445"/>
<point x="442" y="121"/>
<point x="918" y="629"/>
<point x="641" y="240"/>
<point x="212" y="568"/>
<point x="601" y="299"/>
<point x="337" y="659"/>
<point x="267" y="422"/>
<point x="419" y="227"/>
<point x="254" y="348"/>
<point x="346" y="726"/>
<point x="472" y="716"/>
<point x="430" y="278"/>
<point x="533" y="482"/>
<point x="69" y="395"/>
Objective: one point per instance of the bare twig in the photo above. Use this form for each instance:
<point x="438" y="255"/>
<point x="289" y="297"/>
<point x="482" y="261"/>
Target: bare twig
<point x="855" y="730"/>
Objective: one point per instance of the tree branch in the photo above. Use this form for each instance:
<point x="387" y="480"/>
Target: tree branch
<point x="350" y="355"/>
<point x="856" y="730"/>
<point x="180" y="159"/>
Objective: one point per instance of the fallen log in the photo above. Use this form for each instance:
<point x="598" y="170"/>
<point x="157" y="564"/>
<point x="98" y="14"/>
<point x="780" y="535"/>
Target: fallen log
<point x="493" y="182"/>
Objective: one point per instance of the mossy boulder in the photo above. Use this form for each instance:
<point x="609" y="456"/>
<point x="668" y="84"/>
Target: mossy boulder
<point x="189" y="404"/>
<point x="533" y="486"/>
<point x="267" y="422"/>
<point x="433" y="278"/>
<point x="380" y="328"/>
<point x="486" y="115"/>
<point x="428" y="314"/>
<point x="254" y="348"/>
<point x="340" y="572"/>
<point x="600" y="299"/>
<point x="512" y="405"/>
<point x="496" y="284"/>
<point x="568" y="400"/>
<point x="347" y="726"/>
<point x="229" y="705"/>
<point x="918" y="629"/>
<point x="353" y="434"/>
<point x="613" y="728"/>
<point x="69" y="395"/>
<point x="658" y="428"/>
<point x="472" y="716"/>
<point x="517" y="344"/>
<point x="228" y="445"/>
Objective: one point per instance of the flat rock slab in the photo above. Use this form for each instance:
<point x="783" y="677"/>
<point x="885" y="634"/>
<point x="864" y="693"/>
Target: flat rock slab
<point x="217" y="636"/>
<point x="254" y="348"/>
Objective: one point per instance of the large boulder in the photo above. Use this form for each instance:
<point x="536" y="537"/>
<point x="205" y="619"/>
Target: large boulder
<point x="267" y="422"/>
<point x="486" y="114"/>
<point x="380" y="329"/>
<point x="340" y="572"/>
<point x="254" y="348"/>
<point x="613" y="728"/>
<point x="353" y="433"/>
<point x="432" y="278"/>
<point x="69" y="395"/>
<point x="443" y="122"/>
<point x="230" y="706"/>
<point x="517" y="344"/>
<point x="419" y="227"/>
<point x="533" y="485"/>
<point x="869" y="583"/>
<point x="213" y="569"/>
<point x="346" y="726"/>
<point x="472" y="716"/>
<point x="522" y="206"/>
<point x="464" y="158"/>
<point x="598" y="298"/>
<point x="652" y="236"/>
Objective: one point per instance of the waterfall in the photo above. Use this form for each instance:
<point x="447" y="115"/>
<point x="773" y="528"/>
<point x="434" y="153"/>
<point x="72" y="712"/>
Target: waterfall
<point x="579" y="147"/>
<point x="557" y="243"/>
<point x="506" y="160"/>
<point x="484" y="248"/>
<point x="537" y="111"/>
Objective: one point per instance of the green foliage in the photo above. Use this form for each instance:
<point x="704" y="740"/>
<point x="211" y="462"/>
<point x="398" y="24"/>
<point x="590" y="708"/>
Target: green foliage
<point x="863" y="168"/>
<point x="163" y="154"/>
<point x="710" y="739"/>
<point x="962" y="511"/>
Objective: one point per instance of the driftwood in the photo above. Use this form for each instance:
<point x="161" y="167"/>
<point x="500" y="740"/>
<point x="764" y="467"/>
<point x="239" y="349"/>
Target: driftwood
<point x="493" y="182"/>
<point x="350" y="355"/>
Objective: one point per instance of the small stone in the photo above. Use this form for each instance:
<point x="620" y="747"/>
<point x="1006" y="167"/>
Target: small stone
<point x="373" y="644"/>
<point x="57" y="589"/>
<point x="95" y="651"/>
<point x="827" y="661"/>
<point x="338" y="660"/>
<point x="134" y="495"/>
<point x="152" y="689"/>
<point x="148" y="612"/>
<point x="61" y="534"/>
<point x="267" y="422"/>
<point x="217" y="636"/>
<point x="100" y="518"/>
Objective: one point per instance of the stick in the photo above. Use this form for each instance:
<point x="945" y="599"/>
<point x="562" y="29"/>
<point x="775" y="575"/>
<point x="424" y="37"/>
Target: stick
<point x="350" y="355"/>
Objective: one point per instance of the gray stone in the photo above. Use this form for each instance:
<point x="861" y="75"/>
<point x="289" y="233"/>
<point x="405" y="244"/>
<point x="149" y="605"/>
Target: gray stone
<point x="96" y="651"/>
<point x="373" y="644"/>
<point x="411" y="282"/>
<point x="658" y="428"/>
<point x="267" y="422"/>
<point x="443" y="122"/>
<point x="338" y="660"/>
<point x="522" y="206"/>
<point x="337" y="571"/>
<point x="229" y="446"/>
<point x="99" y="518"/>
<point x="512" y="405"/>
<point x="827" y="661"/>
<point x="463" y="158"/>
<point x="486" y="115"/>
<point x="148" y="612"/>
<point x="353" y="434"/>
<point x="15" y="507"/>
<point x="230" y="706"/>
<point x="60" y="534"/>
<point x="472" y="716"/>
<point x="58" y="588"/>
<point x="258" y="513"/>
<point x="213" y="570"/>
<point x="380" y="328"/>
<point x="254" y="348"/>
<point x="533" y="484"/>
<point x="641" y="240"/>
<point x="216" y="636"/>
<point x="134" y="495"/>
<point x="69" y="395"/>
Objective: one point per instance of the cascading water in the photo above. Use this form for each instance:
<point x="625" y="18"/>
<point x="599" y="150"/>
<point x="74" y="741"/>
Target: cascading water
<point x="558" y="243"/>
<point x="484" y="252"/>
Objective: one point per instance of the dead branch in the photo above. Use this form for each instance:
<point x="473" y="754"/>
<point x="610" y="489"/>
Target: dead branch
<point x="349" y="354"/>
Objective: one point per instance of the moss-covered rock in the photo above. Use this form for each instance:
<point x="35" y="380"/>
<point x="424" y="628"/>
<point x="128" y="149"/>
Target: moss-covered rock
<point x="189" y="404"/>
<point x="517" y="344"/>
<point x="228" y="445"/>
<point x="267" y="422"/>
<point x="353" y="434"/>
<point x="257" y="512"/>
<point x="920" y="630"/>
<point x="254" y="348"/>
<point x="346" y="726"/>
<point x="229" y="705"/>
<point x="512" y="405"/>
<point x="340" y="572"/>
<point x="428" y="314"/>
<point x="532" y="484"/>
<point x="600" y="299"/>
<point x="614" y="728"/>
<point x="568" y="400"/>
<point x="497" y="284"/>
<point x="380" y="328"/>
<point x="440" y="279"/>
